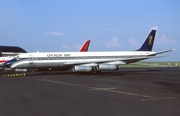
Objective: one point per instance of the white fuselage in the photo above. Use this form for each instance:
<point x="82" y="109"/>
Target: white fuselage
<point x="70" y="59"/>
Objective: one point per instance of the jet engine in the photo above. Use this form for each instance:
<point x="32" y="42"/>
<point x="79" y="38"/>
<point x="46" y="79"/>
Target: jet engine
<point x="108" y="67"/>
<point x="82" y="69"/>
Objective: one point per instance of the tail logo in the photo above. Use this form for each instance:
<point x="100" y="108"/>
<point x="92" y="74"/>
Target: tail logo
<point x="150" y="40"/>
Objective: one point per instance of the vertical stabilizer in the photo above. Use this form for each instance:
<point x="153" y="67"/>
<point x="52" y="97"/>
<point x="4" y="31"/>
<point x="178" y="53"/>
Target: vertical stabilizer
<point x="85" y="46"/>
<point x="148" y="44"/>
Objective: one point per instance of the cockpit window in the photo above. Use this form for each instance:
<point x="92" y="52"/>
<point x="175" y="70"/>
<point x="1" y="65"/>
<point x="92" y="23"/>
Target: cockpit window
<point x="17" y="58"/>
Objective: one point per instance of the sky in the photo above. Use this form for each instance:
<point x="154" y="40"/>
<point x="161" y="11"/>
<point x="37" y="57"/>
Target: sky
<point x="111" y="25"/>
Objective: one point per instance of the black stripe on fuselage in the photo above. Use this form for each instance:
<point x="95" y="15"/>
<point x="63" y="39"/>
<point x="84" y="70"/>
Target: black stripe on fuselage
<point x="81" y="57"/>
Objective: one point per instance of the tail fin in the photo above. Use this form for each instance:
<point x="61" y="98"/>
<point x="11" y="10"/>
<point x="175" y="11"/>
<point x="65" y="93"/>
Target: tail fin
<point x="148" y="44"/>
<point x="85" y="46"/>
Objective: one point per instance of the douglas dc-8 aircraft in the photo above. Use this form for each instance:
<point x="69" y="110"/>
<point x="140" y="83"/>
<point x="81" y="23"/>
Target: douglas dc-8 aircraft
<point x="84" y="61"/>
<point x="12" y="49"/>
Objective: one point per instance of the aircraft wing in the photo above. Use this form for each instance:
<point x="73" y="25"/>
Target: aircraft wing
<point x="123" y="61"/>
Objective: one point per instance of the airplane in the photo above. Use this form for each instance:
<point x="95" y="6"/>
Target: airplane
<point x="85" y="61"/>
<point x="13" y="51"/>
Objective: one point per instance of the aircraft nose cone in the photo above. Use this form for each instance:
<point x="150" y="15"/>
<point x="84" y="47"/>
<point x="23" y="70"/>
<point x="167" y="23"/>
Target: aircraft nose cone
<point x="9" y="63"/>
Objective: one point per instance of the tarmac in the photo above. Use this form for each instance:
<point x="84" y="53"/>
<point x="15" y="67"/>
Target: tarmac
<point x="126" y="92"/>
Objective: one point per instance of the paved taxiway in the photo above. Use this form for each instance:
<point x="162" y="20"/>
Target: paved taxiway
<point x="127" y="92"/>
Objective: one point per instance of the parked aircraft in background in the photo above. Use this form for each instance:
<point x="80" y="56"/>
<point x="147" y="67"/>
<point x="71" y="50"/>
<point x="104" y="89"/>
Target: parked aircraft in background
<point x="85" y="61"/>
<point x="10" y="51"/>
<point x="85" y="46"/>
<point x="13" y="51"/>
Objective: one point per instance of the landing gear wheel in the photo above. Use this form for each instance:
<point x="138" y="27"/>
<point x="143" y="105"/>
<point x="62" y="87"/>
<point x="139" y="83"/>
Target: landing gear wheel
<point x="96" y="70"/>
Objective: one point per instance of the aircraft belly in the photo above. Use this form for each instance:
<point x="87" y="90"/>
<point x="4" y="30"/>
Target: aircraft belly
<point x="36" y="64"/>
<point x="46" y="64"/>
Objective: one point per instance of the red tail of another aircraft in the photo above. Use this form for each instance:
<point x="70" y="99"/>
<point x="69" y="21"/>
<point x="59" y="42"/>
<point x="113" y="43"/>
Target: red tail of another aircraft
<point x="85" y="46"/>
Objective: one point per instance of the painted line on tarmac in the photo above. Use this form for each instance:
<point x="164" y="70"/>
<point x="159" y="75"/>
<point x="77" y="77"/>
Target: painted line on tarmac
<point x="156" y="99"/>
<point x="102" y="89"/>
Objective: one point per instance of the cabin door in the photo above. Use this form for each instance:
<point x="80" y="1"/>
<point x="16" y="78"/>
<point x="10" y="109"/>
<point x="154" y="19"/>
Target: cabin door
<point x="31" y="59"/>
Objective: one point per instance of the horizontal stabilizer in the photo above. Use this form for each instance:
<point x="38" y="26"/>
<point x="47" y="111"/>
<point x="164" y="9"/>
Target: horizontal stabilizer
<point x="164" y="51"/>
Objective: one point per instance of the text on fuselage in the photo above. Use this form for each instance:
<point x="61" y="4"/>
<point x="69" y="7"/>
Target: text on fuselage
<point x="58" y="55"/>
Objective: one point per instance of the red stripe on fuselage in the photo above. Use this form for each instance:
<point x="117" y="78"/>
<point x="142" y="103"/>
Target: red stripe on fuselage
<point x="3" y="61"/>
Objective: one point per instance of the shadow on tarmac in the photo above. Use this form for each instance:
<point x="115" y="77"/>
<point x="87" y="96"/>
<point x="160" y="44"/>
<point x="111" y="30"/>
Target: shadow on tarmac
<point x="121" y="71"/>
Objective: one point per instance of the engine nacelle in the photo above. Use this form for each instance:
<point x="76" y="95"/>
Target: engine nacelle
<point x="108" y="67"/>
<point x="82" y="69"/>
